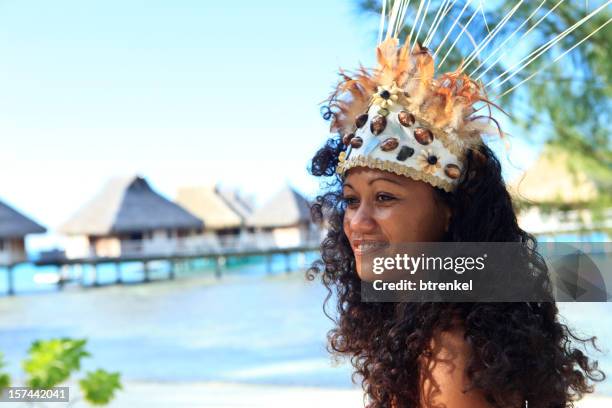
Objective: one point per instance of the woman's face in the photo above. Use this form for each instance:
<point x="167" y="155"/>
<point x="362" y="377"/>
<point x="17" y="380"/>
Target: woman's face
<point x="385" y="208"/>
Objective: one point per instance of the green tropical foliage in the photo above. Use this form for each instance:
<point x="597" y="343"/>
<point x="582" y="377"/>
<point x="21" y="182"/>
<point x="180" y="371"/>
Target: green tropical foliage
<point x="5" y="379"/>
<point x="52" y="362"/>
<point x="99" y="386"/>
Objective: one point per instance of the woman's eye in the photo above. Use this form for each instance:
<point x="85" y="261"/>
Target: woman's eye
<point x="350" y="200"/>
<point x="384" y="197"/>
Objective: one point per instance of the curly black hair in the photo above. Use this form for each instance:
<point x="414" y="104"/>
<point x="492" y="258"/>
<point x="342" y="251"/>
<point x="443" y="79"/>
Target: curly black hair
<point x="520" y="351"/>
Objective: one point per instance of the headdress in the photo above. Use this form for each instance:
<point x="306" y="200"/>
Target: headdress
<point x="404" y="117"/>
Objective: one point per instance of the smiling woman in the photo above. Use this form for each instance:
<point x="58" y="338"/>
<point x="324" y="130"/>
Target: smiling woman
<point x="427" y="354"/>
<point x="408" y="164"/>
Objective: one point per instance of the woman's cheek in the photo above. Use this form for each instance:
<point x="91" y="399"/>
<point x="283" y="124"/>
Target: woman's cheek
<point x="405" y="224"/>
<point x="346" y="223"/>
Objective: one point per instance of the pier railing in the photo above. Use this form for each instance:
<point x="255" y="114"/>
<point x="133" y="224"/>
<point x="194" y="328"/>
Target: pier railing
<point x="180" y="251"/>
<point x="8" y="258"/>
<point x="207" y="246"/>
<point x="185" y="247"/>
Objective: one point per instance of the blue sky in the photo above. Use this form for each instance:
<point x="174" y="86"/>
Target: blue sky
<point x="183" y="92"/>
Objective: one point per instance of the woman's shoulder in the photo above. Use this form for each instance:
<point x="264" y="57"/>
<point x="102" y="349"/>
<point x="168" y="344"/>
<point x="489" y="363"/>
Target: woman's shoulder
<point x="444" y="381"/>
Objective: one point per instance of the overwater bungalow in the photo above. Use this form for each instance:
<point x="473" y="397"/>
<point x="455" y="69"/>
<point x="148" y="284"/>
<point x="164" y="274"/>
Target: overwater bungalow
<point x="553" y="198"/>
<point x="284" y="220"/>
<point x="224" y="214"/>
<point x="128" y="218"/>
<point x="14" y="226"/>
<point x="240" y="203"/>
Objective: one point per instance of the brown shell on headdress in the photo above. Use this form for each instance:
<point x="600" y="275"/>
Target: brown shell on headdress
<point x="423" y="136"/>
<point x="389" y="144"/>
<point x="361" y="120"/>
<point x="452" y="171"/>
<point x="346" y="139"/>
<point x="378" y="125"/>
<point x="406" y="118"/>
<point x="356" y="142"/>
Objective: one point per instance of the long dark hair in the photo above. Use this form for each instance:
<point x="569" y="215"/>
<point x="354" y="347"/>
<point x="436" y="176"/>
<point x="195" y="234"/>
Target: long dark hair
<point x="518" y="349"/>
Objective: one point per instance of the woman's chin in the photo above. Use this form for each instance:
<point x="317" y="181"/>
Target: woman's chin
<point x="366" y="276"/>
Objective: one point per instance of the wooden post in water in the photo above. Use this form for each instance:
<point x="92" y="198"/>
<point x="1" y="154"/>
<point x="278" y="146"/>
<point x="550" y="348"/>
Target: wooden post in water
<point x="219" y="263"/>
<point x="61" y="276"/>
<point x="10" y="281"/>
<point x="287" y="262"/>
<point x="95" y="274"/>
<point x="145" y="268"/>
<point x="81" y="270"/>
<point x="269" y="263"/>
<point x="119" y="277"/>
<point x="171" y="271"/>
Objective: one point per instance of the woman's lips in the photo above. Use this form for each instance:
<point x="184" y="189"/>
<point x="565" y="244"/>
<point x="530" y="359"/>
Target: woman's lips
<point x="362" y="247"/>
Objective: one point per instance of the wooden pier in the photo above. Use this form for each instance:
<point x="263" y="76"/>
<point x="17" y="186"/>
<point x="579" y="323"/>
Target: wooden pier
<point x="220" y="258"/>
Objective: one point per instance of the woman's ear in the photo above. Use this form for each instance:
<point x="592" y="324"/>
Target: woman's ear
<point x="443" y="208"/>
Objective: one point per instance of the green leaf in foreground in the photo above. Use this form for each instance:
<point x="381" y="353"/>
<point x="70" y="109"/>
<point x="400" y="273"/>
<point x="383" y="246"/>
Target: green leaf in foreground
<point x="5" y="379"/>
<point x="52" y="361"/>
<point x="99" y="386"/>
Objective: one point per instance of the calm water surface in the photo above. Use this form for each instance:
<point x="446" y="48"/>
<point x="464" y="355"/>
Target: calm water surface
<point x="248" y="327"/>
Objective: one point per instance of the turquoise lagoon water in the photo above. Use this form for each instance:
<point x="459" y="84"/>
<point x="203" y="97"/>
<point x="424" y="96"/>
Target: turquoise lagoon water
<point x="248" y="327"/>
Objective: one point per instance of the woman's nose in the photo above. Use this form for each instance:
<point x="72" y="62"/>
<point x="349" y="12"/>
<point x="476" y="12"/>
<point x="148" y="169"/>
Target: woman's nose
<point x="362" y="220"/>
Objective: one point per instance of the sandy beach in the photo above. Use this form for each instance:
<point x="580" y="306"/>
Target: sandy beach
<point x="233" y="395"/>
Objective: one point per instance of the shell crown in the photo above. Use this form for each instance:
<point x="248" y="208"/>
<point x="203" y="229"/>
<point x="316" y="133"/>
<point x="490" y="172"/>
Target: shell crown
<point x="400" y="118"/>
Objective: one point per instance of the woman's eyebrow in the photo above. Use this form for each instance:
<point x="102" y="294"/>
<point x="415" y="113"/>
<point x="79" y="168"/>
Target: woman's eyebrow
<point x="385" y="179"/>
<point x="347" y="185"/>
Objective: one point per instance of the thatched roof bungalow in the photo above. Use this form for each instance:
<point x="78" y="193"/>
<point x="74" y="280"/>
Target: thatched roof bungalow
<point x="210" y="207"/>
<point x="553" y="198"/>
<point x="14" y="226"/>
<point x="284" y="220"/>
<point x="224" y="214"/>
<point x="128" y="217"/>
<point x="238" y="202"/>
